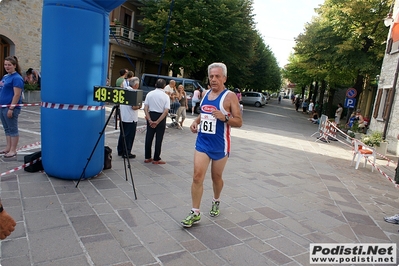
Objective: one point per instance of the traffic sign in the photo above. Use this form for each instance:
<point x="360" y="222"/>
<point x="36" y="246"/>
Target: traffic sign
<point x="351" y="93"/>
<point x="350" y="103"/>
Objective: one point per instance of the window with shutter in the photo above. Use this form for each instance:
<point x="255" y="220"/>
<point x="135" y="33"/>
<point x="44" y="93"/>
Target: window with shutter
<point x="389" y="46"/>
<point x="384" y="96"/>
<point x="387" y="103"/>
<point x="377" y="103"/>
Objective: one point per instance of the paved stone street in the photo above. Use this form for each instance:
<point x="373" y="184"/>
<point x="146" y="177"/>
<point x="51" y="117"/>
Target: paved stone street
<point x="283" y="190"/>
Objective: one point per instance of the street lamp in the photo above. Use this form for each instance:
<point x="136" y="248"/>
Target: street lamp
<point x="388" y="20"/>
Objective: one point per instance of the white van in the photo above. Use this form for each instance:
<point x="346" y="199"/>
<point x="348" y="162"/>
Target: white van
<point x="148" y="84"/>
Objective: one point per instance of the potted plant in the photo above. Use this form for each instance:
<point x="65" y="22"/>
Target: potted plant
<point x="351" y="135"/>
<point x="31" y="93"/>
<point x="375" y="140"/>
<point x="358" y="132"/>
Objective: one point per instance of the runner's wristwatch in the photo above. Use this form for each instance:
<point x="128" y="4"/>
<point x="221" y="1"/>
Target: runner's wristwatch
<point x="226" y="117"/>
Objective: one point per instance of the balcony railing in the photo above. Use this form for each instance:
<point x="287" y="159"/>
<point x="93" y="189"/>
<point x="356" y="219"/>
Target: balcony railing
<point x="123" y="34"/>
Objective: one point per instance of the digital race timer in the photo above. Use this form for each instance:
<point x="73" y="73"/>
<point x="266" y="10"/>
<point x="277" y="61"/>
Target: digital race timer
<point x="117" y="95"/>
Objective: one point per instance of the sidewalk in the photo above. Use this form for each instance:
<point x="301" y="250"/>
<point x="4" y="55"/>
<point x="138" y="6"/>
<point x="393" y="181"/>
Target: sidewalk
<point x="282" y="192"/>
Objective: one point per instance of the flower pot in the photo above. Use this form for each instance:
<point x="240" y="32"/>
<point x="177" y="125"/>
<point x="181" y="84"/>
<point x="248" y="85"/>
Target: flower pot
<point x="31" y="97"/>
<point x="382" y="149"/>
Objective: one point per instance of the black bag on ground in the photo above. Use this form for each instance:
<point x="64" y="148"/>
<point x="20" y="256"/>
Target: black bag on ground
<point x="107" y="157"/>
<point x="35" y="167"/>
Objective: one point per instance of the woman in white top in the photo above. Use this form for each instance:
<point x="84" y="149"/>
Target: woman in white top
<point x="196" y="99"/>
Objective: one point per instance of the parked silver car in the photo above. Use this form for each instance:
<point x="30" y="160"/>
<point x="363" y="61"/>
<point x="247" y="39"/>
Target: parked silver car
<point x="253" y="98"/>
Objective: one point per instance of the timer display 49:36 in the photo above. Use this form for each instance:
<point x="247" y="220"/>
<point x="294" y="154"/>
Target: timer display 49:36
<point x="117" y="95"/>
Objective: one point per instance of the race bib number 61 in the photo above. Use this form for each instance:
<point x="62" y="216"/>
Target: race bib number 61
<point x="208" y="124"/>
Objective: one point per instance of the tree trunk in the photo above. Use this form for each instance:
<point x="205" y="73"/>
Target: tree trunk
<point x="321" y="96"/>
<point x="329" y="108"/>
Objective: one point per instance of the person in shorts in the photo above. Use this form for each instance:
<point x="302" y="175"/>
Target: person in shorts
<point x="220" y="110"/>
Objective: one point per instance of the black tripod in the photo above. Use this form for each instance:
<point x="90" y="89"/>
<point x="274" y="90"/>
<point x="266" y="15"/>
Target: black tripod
<point x="115" y="109"/>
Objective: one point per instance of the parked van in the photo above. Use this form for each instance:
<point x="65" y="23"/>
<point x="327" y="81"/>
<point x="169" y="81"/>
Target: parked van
<point x="148" y="84"/>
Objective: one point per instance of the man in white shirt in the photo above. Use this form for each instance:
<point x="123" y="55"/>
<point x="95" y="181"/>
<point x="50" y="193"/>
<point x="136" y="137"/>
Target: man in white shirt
<point x="170" y="90"/>
<point x="156" y="108"/>
<point x="129" y="116"/>
<point x="310" y="108"/>
<point x="170" y="87"/>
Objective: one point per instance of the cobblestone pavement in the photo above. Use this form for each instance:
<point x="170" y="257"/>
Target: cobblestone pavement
<point x="283" y="191"/>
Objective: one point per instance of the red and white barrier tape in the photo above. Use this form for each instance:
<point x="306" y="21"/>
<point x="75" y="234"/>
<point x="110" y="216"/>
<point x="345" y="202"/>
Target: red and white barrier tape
<point x="20" y="104"/>
<point x="383" y="173"/>
<point x="361" y="143"/>
<point x="30" y="146"/>
<point x="71" y="106"/>
<point x="374" y="165"/>
<point x="21" y="167"/>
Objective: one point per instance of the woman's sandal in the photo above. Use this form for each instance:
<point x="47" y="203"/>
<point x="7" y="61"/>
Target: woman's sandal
<point x="4" y="152"/>
<point x="10" y="156"/>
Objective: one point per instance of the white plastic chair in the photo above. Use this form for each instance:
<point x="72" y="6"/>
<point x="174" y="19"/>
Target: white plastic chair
<point x="363" y="152"/>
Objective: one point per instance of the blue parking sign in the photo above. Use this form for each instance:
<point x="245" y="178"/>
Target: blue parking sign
<point x="350" y="102"/>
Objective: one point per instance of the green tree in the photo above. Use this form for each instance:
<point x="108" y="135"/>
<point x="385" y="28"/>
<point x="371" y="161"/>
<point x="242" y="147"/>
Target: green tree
<point x="201" y="32"/>
<point x="359" y="24"/>
<point x="344" y="46"/>
<point x="265" y="73"/>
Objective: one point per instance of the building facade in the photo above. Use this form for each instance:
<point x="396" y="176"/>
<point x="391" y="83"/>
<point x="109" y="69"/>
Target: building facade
<point x="20" y="32"/>
<point x="385" y="116"/>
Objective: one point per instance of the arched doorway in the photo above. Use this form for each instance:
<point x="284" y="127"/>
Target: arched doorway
<point x="5" y="48"/>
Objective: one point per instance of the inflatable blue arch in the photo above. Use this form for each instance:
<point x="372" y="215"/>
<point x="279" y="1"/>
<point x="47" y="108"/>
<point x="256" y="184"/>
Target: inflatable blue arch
<point x="75" y="38"/>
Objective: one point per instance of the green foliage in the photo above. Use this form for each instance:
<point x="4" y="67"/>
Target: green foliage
<point x="265" y="73"/>
<point x="374" y="139"/>
<point x="344" y="44"/>
<point x="31" y="87"/>
<point x="351" y="134"/>
<point x="206" y="31"/>
<point x="355" y="127"/>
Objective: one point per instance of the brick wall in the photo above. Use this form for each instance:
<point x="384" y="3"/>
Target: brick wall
<point x="21" y="24"/>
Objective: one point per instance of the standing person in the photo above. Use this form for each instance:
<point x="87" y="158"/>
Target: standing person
<point x="305" y="105"/>
<point x="11" y="94"/>
<point x="237" y="91"/>
<point x="181" y="112"/>
<point x="129" y="117"/>
<point x="171" y="91"/>
<point x="122" y="73"/>
<point x="220" y="111"/>
<point x="156" y="108"/>
<point x="279" y="98"/>
<point x="338" y="114"/>
<point x="195" y="99"/>
<point x="170" y="88"/>
<point x="297" y="103"/>
<point x="311" y="108"/>
<point x="125" y="82"/>
<point x="7" y="223"/>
